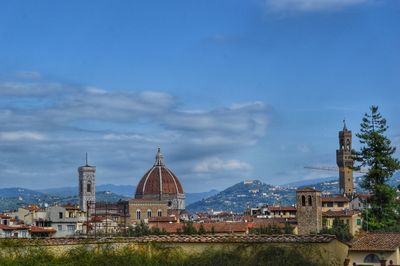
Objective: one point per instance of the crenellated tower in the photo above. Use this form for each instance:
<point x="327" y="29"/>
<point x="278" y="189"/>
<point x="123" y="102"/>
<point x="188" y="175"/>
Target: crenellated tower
<point x="345" y="161"/>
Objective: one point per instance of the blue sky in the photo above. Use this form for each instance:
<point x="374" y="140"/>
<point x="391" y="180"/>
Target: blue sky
<point x="229" y="89"/>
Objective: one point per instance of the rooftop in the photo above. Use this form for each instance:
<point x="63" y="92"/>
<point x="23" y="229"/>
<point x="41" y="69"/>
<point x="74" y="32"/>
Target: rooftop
<point x="377" y="242"/>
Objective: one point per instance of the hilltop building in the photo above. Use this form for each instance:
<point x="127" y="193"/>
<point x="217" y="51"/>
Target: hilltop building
<point x="344" y="160"/>
<point x="158" y="193"/>
<point x="87" y="187"/>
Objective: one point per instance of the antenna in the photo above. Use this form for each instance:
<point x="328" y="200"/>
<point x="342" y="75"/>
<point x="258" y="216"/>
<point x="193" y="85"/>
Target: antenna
<point x="87" y="159"/>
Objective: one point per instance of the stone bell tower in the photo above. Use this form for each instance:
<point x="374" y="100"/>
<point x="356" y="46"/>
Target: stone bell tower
<point x="87" y="187"/>
<point x="309" y="211"/>
<point x="344" y="160"/>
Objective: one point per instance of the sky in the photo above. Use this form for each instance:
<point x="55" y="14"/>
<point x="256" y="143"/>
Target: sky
<point x="229" y="90"/>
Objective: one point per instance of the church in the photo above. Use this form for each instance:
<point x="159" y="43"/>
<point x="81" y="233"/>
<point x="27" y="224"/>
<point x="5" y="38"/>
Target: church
<point x="158" y="194"/>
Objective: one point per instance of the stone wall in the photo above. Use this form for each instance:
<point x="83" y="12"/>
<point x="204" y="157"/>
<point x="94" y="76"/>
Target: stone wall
<point x="322" y="249"/>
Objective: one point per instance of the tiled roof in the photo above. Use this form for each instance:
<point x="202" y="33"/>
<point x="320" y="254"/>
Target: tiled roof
<point x="377" y="242"/>
<point x="196" y="239"/>
<point x="37" y="229"/>
<point x="342" y="213"/>
<point x="217" y="227"/>
<point x="4" y="216"/>
<point x="12" y="228"/>
<point x="363" y="196"/>
<point x="335" y="199"/>
<point x="158" y="180"/>
<point x="162" y="219"/>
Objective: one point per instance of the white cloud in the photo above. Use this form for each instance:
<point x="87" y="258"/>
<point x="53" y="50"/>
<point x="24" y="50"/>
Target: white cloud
<point x="217" y="164"/>
<point x="29" y="89"/>
<point x="21" y="135"/>
<point x="312" y="5"/>
<point x="121" y="131"/>
<point x="28" y="75"/>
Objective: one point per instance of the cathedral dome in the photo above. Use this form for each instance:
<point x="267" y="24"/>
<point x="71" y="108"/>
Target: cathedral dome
<point x="159" y="183"/>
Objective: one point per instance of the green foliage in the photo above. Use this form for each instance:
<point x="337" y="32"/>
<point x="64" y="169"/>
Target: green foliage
<point x="140" y="229"/>
<point x="202" y="230"/>
<point x="153" y="254"/>
<point x="189" y="229"/>
<point x="377" y="154"/>
<point x="339" y="229"/>
<point x="272" y="230"/>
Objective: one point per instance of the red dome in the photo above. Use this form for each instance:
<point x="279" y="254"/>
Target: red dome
<point x="159" y="182"/>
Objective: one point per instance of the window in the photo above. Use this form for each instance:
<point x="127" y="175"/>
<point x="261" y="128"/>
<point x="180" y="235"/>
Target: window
<point x="373" y="258"/>
<point x="89" y="187"/>
<point x="303" y="200"/>
<point x="59" y="227"/>
<point x="329" y="204"/>
<point x="148" y="213"/>
<point x="60" y="215"/>
<point x="138" y="214"/>
<point x="159" y="213"/>
<point x="71" y="228"/>
<point x="340" y="204"/>
<point x="358" y="221"/>
<point x="309" y="201"/>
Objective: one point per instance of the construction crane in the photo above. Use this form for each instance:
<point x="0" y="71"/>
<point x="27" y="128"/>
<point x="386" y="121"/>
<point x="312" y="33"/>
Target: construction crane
<point x="333" y="169"/>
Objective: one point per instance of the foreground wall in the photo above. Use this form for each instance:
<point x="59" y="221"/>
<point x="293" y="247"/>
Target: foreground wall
<point x="324" y="250"/>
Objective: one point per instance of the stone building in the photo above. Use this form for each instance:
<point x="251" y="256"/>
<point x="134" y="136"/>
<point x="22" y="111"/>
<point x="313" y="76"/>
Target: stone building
<point x="309" y="211"/>
<point x="158" y="193"/>
<point x="344" y="160"/>
<point x="87" y="188"/>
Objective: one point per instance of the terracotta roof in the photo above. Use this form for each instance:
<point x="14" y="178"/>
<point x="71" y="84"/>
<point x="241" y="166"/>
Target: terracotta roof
<point x="217" y="227"/>
<point x="4" y="216"/>
<point x="159" y="179"/>
<point x="37" y="229"/>
<point x="227" y="238"/>
<point x="282" y="208"/>
<point x="162" y="219"/>
<point x="307" y="189"/>
<point x="363" y="196"/>
<point x="32" y="208"/>
<point x="377" y="242"/>
<point x="335" y="199"/>
<point x="12" y="228"/>
<point x="341" y="213"/>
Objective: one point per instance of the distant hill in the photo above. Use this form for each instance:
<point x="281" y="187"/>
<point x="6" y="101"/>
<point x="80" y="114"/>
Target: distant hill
<point x="124" y="190"/>
<point x="242" y="195"/>
<point x="12" y="198"/>
<point x="245" y="194"/>
<point x="308" y="182"/>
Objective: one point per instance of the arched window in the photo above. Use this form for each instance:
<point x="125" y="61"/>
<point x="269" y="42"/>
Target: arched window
<point x="138" y="214"/>
<point x="371" y="258"/>
<point x="303" y="200"/>
<point x="148" y="213"/>
<point x="348" y="144"/>
<point x="159" y="213"/>
<point x="309" y="201"/>
<point x="89" y="187"/>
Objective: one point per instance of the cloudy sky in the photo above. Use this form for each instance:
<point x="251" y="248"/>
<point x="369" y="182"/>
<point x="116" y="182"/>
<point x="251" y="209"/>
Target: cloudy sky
<point x="228" y="89"/>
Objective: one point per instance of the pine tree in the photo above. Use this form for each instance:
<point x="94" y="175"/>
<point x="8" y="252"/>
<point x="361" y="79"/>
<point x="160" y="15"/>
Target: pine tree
<point x="377" y="155"/>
